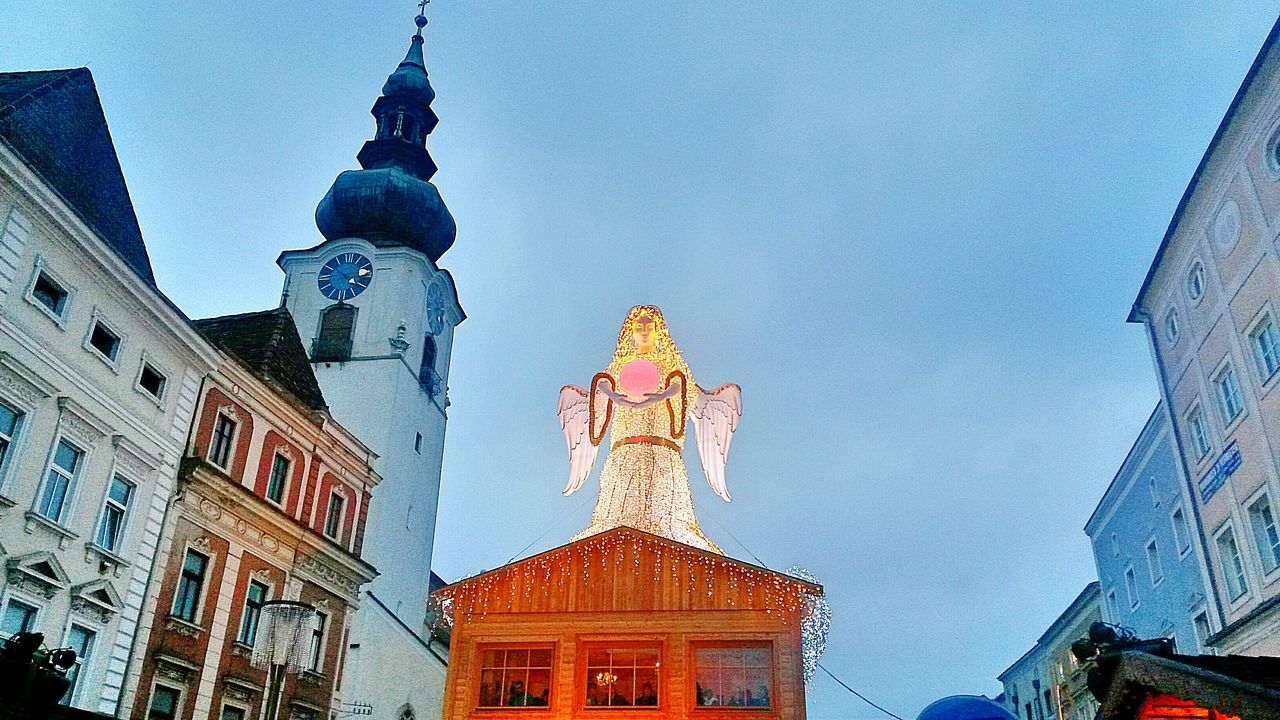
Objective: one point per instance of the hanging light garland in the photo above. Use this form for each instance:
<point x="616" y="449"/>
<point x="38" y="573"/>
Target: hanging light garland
<point x="814" y="624"/>
<point x="549" y="575"/>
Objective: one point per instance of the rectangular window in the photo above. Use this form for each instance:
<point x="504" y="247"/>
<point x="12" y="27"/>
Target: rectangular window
<point x="1201" y="624"/>
<point x="1263" y="522"/>
<point x="1229" y="395"/>
<point x="515" y="677"/>
<point x="254" y="596"/>
<point x="10" y="423"/>
<point x="1153" y="563"/>
<point x="80" y="640"/>
<point x="417" y="442"/>
<point x="1114" y="605"/>
<point x="1181" y="534"/>
<point x="317" y="641"/>
<point x="50" y="294"/>
<point x="18" y="617"/>
<point x="186" y="600"/>
<point x="279" y="477"/>
<point x="1199" y="433"/>
<point x="1232" y="565"/>
<point x="231" y="712"/>
<point x="111" y="527"/>
<point x="333" y="518"/>
<point x="622" y="676"/>
<point x="63" y="470"/>
<point x="105" y="340"/>
<point x="1131" y="587"/>
<point x="224" y="431"/>
<point x="1266" y="346"/>
<point x="734" y="676"/>
<point x="164" y="703"/>
<point x="152" y="381"/>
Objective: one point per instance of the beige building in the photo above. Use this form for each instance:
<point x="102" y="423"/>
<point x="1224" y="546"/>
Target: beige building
<point x="1047" y="683"/>
<point x="1211" y="307"/>
<point x="99" y="376"/>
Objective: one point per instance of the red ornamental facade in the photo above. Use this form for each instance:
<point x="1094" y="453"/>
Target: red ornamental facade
<point x="273" y="496"/>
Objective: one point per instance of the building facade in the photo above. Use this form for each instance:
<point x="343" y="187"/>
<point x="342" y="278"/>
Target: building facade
<point x="99" y="377"/>
<point x="378" y="314"/>
<point x="1147" y="548"/>
<point x="1047" y="682"/>
<point x="626" y="622"/>
<point x="272" y="502"/>
<point x="1210" y="305"/>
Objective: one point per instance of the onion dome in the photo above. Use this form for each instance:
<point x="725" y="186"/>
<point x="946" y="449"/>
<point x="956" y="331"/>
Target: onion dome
<point x="391" y="201"/>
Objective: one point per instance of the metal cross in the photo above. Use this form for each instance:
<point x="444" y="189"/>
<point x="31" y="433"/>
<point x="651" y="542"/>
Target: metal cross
<point x="422" y="7"/>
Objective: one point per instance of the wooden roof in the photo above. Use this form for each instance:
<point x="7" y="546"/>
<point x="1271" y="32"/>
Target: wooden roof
<point x="623" y="570"/>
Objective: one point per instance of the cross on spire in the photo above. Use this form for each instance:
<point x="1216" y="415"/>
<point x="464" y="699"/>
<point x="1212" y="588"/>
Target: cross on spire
<point x="421" y="20"/>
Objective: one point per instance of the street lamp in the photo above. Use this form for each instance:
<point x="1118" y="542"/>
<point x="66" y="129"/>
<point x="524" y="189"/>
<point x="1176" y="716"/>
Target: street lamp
<point x="281" y="646"/>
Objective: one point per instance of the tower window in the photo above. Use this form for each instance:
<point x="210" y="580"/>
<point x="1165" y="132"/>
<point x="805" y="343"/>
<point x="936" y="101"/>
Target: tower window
<point x="417" y="442"/>
<point x="337" y="327"/>
<point x="427" y="371"/>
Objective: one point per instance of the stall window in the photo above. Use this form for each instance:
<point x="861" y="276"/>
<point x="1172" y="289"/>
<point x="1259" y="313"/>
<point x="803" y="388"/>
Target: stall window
<point x="515" y="676"/>
<point x="734" y="675"/>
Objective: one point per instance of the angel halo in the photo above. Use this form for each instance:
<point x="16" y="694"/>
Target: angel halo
<point x="645" y="397"/>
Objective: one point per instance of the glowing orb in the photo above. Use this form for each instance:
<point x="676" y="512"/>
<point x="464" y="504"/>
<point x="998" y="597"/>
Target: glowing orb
<point x="638" y="378"/>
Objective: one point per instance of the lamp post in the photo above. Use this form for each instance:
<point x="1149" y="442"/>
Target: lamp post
<point x="280" y="647"/>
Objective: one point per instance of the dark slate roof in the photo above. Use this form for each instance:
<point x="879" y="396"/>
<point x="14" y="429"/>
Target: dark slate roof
<point x="268" y="343"/>
<point x="1263" y="671"/>
<point x="1236" y="685"/>
<point x="54" y="120"/>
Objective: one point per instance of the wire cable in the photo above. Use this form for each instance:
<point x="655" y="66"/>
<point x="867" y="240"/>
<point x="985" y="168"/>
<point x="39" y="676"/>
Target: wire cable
<point x="550" y="527"/>
<point x="861" y="697"/>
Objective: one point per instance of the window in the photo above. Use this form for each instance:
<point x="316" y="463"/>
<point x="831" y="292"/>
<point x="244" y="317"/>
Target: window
<point x="1131" y="587"/>
<point x="50" y="294"/>
<point x="1049" y="704"/>
<point x="186" y="600"/>
<point x="515" y="676"/>
<point x="1171" y="325"/>
<point x="1229" y="395"/>
<point x="1153" y="563"/>
<point x="152" y="381"/>
<point x="1154" y="489"/>
<point x="1195" y="282"/>
<point x="1181" y="534"/>
<point x="622" y="676"/>
<point x="333" y="518"/>
<point x="18" y="617"/>
<point x="1115" y="545"/>
<point x="79" y="639"/>
<point x="317" y="641"/>
<point x="105" y="340"/>
<point x="279" y="476"/>
<point x="1265" y="534"/>
<point x="337" y="328"/>
<point x="428" y="366"/>
<point x="62" y="473"/>
<point x="417" y="442"/>
<point x="224" y="429"/>
<point x="231" y="712"/>
<point x="734" y="675"/>
<point x="1113" y="605"/>
<point x="111" y="527"/>
<point x="254" y="596"/>
<point x="1232" y="565"/>
<point x="1225" y="230"/>
<point x="10" y="423"/>
<point x="1266" y="348"/>
<point x="1201" y="624"/>
<point x="1199" y="434"/>
<point x="164" y="703"/>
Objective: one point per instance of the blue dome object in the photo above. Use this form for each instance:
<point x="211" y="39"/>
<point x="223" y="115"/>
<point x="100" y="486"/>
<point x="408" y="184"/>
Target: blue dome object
<point x="387" y="206"/>
<point x="965" y="707"/>
<point x="410" y="77"/>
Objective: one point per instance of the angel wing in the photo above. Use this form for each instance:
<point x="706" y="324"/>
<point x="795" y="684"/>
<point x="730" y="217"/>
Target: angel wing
<point x="575" y="420"/>
<point x="715" y="417"/>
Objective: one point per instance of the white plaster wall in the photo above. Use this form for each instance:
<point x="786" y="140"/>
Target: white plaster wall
<point x="390" y="668"/>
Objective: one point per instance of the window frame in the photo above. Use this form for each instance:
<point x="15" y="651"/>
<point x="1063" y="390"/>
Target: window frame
<point x="15" y="441"/>
<point x="691" y="673"/>
<point x="39" y="267"/>
<point x="1172" y="326"/>
<point x="318" y="641"/>
<point x="1262" y="496"/>
<point x="13" y="595"/>
<point x="1195" y="418"/>
<point x="1227" y="368"/>
<point x="1152" y="547"/>
<point x="107" y="503"/>
<point x="82" y="663"/>
<point x="99" y="318"/>
<point x="1225" y="248"/>
<point x="1202" y="641"/>
<point x="479" y="650"/>
<point x="1227" y="528"/>
<point x="201" y="591"/>
<point x="1180" y="535"/>
<point x="584" y="667"/>
<point x="220" y="415"/>
<point x="1194" y="273"/>
<point x="251" y="639"/>
<point x="276" y="457"/>
<point x="1113" y="601"/>
<point x="178" y="688"/>
<point x="69" y="494"/>
<point x="1130" y="579"/>
<point x="341" y="495"/>
<point x="165" y="375"/>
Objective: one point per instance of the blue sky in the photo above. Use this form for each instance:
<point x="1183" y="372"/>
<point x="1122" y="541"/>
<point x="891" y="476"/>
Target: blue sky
<point x="911" y="234"/>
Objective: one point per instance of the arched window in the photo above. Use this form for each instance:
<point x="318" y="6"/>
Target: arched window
<point x="427" y="371"/>
<point x="337" y="327"/>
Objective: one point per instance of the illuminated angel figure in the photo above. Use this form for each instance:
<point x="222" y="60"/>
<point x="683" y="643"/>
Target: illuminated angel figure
<point x="648" y="395"/>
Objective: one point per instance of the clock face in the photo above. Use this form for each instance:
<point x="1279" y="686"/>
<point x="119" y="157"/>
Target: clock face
<point x="345" y="276"/>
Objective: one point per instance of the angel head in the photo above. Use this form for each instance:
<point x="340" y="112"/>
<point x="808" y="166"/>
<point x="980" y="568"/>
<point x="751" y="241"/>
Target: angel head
<point x="644" y="334"/>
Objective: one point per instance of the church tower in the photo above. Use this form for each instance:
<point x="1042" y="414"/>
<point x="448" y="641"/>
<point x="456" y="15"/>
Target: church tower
<point x="379" y="315"/>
